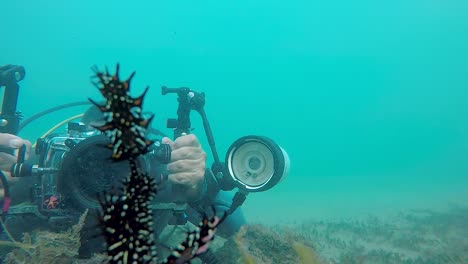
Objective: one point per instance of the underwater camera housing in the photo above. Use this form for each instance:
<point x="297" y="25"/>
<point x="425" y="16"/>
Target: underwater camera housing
<point x="72" y="169"/>
<point x="55" y="191"/>
<point x="83" y="168"/>
<point x="66" y="174"/>
<point x="75" y="160"/>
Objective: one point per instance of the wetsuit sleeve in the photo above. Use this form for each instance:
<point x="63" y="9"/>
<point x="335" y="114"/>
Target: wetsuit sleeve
<point x="222" y="202"/>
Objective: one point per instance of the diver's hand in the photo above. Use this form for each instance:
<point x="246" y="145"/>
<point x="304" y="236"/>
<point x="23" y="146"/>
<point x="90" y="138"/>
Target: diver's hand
<point x="187" y="165"/>
<point x="10" y="141"/>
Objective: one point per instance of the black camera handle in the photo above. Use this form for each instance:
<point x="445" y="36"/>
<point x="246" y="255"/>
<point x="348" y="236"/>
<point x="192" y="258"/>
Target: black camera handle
<point x="190" y="100"/>
<point x="10" y="75"/>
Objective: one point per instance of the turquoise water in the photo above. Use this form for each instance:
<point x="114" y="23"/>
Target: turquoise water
<point x="368" y="98"/>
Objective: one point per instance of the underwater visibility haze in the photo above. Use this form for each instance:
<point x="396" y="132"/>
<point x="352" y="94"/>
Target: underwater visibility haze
<point x="368" y="98"/>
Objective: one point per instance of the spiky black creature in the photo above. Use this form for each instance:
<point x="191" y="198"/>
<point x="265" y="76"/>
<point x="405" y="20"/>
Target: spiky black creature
<point x="125" y="124"/>
<point x="127" y="219"/>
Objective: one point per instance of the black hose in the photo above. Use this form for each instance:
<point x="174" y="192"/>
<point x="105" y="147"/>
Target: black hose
<point x="48" y="111"/>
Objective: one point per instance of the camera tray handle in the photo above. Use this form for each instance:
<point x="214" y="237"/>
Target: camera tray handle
<point x="10" y="75"/>
<point x="190" y="100"/>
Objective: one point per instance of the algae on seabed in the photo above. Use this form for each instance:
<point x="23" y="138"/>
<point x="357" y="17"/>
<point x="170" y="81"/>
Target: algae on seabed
<point x="43" y="247"/>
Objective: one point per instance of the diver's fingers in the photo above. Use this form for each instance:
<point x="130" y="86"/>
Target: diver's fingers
<point x="9" y="140"/>
<point x="6" y="161"/>
<point x="188" y="153"/>
<point x="12" y="141"/>
<point x="189" y="140"/>
<point x="21" y="143"/>
<point x="186" y="165"/>
<point x="166" y="140"/>
<point x="188" y="179"/>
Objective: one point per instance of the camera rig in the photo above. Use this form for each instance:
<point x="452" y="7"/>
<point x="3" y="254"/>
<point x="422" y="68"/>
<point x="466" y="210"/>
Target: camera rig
<point x="66" y="161"/>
